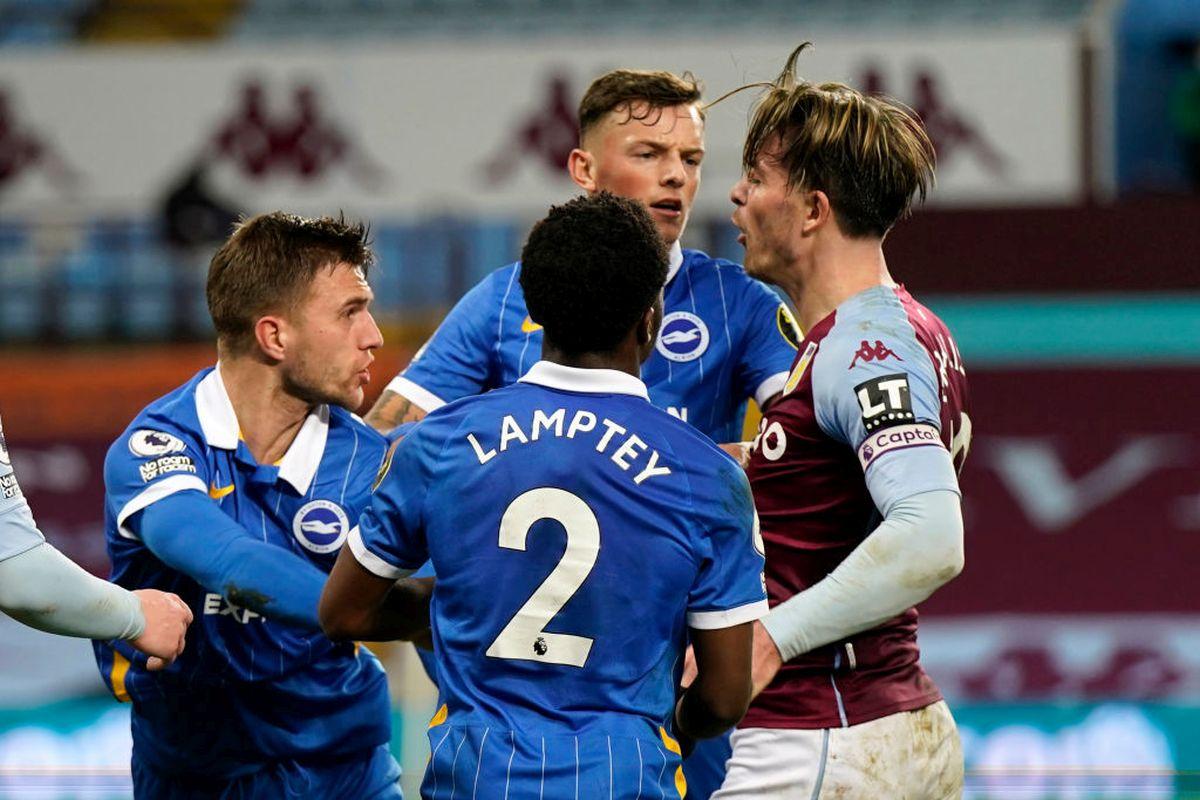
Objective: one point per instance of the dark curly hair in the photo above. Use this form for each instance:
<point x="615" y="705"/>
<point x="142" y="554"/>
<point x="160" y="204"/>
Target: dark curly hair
<point x="590" y="270"/>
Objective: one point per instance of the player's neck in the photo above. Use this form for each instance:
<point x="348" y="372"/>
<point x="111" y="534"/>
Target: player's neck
<point x="268" y="417"/>
<point x="836" y="273"/>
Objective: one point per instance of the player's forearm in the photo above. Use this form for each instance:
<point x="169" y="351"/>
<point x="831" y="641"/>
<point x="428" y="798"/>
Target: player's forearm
<point x="705" y="711"/>
<point x="393" y="409"/>
<point x="248" y="572"/>
<point x="46" y="590"/>
<point x="915" y="550"/>
<point x="403" y="613"/>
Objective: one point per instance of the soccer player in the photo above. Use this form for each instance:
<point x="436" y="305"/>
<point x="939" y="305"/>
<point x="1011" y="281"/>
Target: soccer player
<point x="236" y="491"/>
<point x="42" y="588"/>
<point x="578" y="534"/>
<point x="724" y="337"/>
<point x="854" y="469"/>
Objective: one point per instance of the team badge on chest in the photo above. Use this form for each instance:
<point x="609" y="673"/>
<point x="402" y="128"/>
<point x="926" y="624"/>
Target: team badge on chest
<point x="683" y="337"/>
<point x="320" y="526"/>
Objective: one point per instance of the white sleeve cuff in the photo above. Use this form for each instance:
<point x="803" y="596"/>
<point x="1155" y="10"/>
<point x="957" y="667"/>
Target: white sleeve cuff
<point x="371" y="562"/>
<point x="427" y="400"/>
<point x="155" y="492"/>
<point x="770" y="387"/>
<point x="713" y="620"/>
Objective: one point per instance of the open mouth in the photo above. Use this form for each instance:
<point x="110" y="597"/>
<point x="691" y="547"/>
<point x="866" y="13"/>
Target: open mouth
<point x="671" y="207"/>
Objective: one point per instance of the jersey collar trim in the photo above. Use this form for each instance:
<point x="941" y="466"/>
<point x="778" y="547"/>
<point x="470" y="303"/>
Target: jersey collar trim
<point x="675" y="260"/>
<point x="219" y="424"/>
<point x="576" y="379"/>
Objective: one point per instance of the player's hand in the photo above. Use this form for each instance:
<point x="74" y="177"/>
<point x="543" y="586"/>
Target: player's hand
<point x="740" y="452"/>
<point x="689" y="668"/>
<point x="167" y="619"/>
<point x="767" y="660"/>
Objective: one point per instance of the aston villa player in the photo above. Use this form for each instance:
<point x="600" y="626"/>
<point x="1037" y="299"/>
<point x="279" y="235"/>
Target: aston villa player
<point x="854" y="470"/>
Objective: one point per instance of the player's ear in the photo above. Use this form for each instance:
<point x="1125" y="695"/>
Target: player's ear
<point x="647" y="328"/>
<point x="818" y="211"/>
<point x="581" y="166"/>
<point x="271" y="334"/>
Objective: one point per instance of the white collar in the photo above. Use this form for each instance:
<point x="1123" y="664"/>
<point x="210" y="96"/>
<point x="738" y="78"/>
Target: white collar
<point x="577" y="379"/>
<point x="674" y="260"/>
<point x="219" y="423"/>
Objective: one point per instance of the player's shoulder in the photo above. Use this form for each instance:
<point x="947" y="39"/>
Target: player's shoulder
<point x="696" y="452"/>
<point x="871" y="330"/>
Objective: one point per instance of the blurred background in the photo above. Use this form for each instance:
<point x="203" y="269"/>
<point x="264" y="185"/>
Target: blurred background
<point x="1061" y="245"/>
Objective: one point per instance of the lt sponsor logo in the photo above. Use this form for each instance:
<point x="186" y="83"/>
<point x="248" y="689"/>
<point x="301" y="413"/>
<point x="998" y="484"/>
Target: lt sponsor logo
<point x="320" y="526"/>
<point x="684" y="337"/>
<point x="147" y="443"/>
<point x="899" y="437"/>
<point x="880" y="352"/>
<point x="885" y="401"/>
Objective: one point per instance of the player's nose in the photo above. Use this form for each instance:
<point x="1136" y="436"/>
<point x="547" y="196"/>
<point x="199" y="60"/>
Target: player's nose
<point x="737" y="195"/>
<point x="673" y="173"/>
<point x="374" y="336"/>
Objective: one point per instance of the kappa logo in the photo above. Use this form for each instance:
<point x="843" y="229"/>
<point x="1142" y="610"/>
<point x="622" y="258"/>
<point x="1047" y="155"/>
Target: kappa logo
<point x="148" y="443"/>
<point x="5" y="459"/>
<point x="320" y="526"/>
<point x="880" y="352"/>
<point x="684" y="337"/>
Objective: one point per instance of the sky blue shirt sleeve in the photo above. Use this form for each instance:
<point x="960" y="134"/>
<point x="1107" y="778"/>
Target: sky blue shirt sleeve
<point x="729" y="588"/>
<point x="875" y="389"/>
<point x="457" y="360"/>
<point x="390" y="537"/>
<point x="18" y="532"/>
<point x="150" y="461"/>
<point x="769" y="343"/>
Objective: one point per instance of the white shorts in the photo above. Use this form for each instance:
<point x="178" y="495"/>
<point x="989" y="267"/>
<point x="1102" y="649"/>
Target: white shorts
<point x="912" y="755"/>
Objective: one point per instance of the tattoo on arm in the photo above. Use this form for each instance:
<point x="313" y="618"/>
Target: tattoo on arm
<point x="393" y="409"/>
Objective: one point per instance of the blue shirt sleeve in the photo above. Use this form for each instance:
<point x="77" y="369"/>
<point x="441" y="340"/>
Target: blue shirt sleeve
<point x="876" y="389"/>
<point x="18" y="532"/>
<point x="769" y="342"/>
<point x="729" y="588"/>
<point x="457" y="360"/>
<point x="390" y="537"/>
<point x="150" y="461"/>
<point x="191" y="534"/>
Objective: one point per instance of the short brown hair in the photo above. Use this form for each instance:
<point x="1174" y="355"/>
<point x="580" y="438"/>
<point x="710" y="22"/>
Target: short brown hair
<point x="869" y="154"/>
<point x="267" y="265"/>
<point x="624" y="88"/>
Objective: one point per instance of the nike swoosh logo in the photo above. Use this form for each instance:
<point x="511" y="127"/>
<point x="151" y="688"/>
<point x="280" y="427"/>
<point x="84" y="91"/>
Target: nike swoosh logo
<point x="529" y="326"/>
<point x="217" y="493"/>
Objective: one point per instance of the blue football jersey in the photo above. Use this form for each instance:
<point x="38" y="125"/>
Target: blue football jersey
<point x="577" y="532"/>
<point x="18" y="532"/>
<point x="725" y="338"/>
<point x="247" y="689"/>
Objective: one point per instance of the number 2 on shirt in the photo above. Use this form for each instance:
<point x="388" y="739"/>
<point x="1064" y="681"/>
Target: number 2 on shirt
<point x="525" y="637"/>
